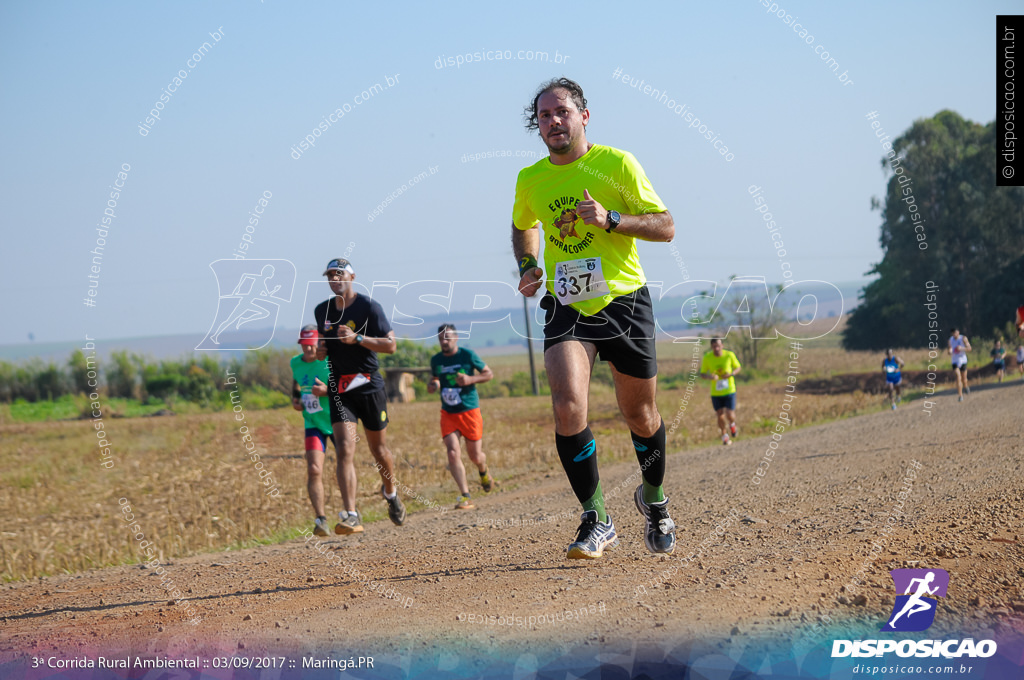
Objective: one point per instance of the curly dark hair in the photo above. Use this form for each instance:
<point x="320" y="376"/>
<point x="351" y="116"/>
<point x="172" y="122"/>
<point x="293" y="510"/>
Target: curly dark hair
<point x="571" y="86"/>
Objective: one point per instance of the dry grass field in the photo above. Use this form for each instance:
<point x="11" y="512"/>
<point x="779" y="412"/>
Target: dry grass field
<point x="193" y="488"/>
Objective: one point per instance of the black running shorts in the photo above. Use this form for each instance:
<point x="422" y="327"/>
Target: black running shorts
<point x="369" y="407"/>
<point x="623" y="332"/>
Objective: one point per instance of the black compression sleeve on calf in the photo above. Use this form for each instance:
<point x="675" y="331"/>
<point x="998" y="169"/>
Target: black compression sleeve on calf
<point x="578" y="454"/>
<point x="650" y="453"/>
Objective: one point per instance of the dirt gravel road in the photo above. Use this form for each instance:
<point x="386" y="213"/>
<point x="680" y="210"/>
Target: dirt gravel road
<point x="775" y="558"/>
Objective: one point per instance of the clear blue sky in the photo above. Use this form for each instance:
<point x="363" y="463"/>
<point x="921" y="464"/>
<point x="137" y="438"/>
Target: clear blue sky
<point x="78" y="80"/>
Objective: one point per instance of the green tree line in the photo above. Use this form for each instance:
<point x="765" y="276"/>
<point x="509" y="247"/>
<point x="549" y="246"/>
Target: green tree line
<point x="944" y="220"/>
<point x="197" y="380"/>
<point x="126" y="375"/>
<point x="133" y="376"/>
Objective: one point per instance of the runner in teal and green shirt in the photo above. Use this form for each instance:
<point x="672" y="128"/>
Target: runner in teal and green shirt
<point x="456" y="373"/>
<point x="309" y="395"/>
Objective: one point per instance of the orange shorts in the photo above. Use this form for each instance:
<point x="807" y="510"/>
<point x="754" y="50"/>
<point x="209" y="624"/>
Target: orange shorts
<point x="469" y="423"/>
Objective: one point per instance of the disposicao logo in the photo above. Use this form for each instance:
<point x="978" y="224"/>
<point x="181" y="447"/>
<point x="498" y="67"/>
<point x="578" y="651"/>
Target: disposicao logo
<point x="914" y="611"/>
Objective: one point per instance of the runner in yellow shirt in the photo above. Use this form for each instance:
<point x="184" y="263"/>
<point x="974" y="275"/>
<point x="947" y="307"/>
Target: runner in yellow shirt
<point x="720" y="366"/>
<point x="589" y="204"/>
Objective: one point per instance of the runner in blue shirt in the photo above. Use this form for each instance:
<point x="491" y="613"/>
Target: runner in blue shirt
<point x="893" y="377"/>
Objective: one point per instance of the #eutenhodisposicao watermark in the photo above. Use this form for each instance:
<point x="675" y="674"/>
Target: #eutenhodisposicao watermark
<point x="102" y="230"/>
<point x="679" y="108"/>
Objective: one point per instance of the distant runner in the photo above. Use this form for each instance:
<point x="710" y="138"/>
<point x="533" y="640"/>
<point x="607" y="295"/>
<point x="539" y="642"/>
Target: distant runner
<point x="453" y="369"/>
<point x="720" y="366"/>
<point x="959" y="346"/>
<point x="892" y="366"/>
<point x="309" y="395"/>
<point x="353" y="328"/>
<point x="998" y="355"/>
<point x="1020" y="360"/>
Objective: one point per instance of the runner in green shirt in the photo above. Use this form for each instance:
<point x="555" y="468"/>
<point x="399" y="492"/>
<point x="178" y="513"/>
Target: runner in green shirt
<point x="309" y="395"/>
<point x="720" y="366"/>
<point x="456" y="372"/>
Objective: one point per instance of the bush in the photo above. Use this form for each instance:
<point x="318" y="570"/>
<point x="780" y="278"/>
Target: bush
<point x="491" y="389"/>
<point x="519" y="385"/>
<point x="122" y="374"/>
<point x="266" y="367"/>
<point x="420" y="389"/>
<point x="408" y="354"/>
<point x="164" y="386"/>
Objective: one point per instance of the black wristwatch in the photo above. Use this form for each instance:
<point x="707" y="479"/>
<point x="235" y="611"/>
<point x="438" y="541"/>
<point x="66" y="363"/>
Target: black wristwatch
<point x="359" y="339"/>
<point x="613" y="220"/>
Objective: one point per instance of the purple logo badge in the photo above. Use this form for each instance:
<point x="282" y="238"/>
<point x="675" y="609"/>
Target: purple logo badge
<point x="914" y="609"/>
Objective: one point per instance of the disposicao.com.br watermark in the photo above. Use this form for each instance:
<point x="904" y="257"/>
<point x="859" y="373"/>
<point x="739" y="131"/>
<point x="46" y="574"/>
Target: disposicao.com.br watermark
<point x="532" y="621"/>
<point x="499" y="55"/>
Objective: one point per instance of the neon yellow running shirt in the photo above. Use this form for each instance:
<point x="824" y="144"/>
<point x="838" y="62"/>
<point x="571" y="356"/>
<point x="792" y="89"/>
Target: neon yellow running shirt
<point x="727" y="363"/>
<point x="577" y="256"/>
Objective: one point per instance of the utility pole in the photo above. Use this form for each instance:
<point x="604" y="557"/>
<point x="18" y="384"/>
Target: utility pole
<point x="529" y="346"/>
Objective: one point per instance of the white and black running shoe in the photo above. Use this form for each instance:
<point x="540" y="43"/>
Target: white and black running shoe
<point x="396" y="510"/>
<point x="348" y="523"/>
<point x="659" y="529"/>
<point x="592" y="537"/>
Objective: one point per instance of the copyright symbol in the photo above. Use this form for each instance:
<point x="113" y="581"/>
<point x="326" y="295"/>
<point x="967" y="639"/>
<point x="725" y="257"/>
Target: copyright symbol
<point x="1008" y="171"/>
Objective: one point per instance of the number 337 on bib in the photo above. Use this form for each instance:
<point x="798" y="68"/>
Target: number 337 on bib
<point x="577" y="280"/>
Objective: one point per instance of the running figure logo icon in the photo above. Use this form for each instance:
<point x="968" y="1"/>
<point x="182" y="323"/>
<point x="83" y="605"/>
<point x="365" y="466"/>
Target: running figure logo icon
<point x="914" y="610"/>
<point x="249" y="291"/>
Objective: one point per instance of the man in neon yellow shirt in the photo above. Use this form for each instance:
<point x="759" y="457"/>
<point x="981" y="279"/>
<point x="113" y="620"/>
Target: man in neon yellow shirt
<point x="720" y="366"/>
<point x="589" y="204"/>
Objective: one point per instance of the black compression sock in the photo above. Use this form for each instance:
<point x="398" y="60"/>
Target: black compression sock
<point x="650" y="453"/>
<point x="578" y="454"/>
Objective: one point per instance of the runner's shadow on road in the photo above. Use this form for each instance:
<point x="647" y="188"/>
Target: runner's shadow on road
<point x="478" y="570"/>
<point x="985" y="387"/>
<point x="166" y="602"/>
<point x="974" y="386"/>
